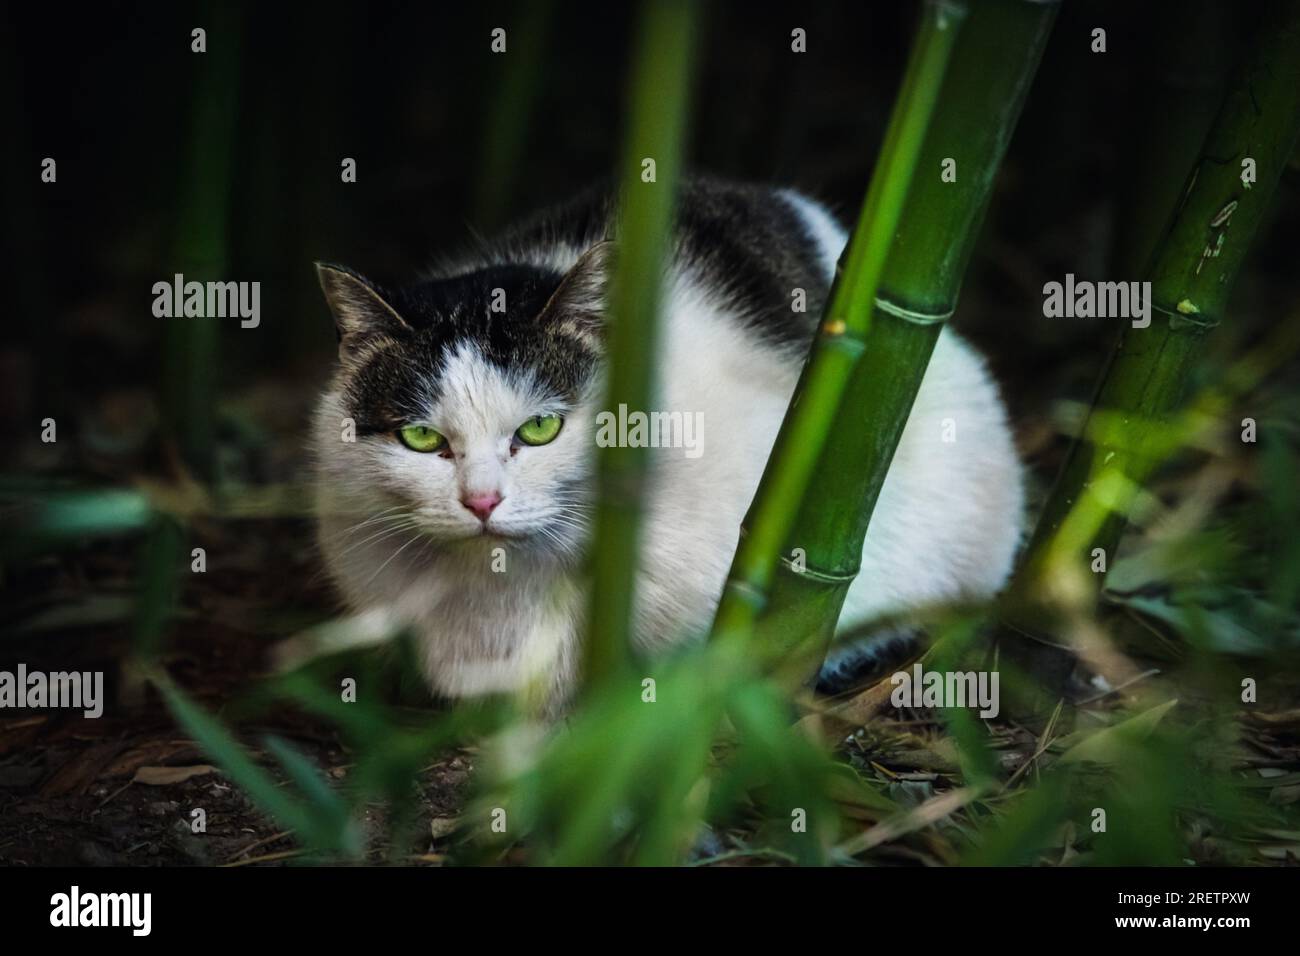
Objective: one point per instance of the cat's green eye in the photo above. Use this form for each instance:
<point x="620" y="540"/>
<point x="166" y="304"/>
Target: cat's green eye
<point x="540" y="429"/>
<point x="421" y="438"/>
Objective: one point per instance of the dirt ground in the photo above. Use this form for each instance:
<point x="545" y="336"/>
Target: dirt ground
<point x="120" y="790"/>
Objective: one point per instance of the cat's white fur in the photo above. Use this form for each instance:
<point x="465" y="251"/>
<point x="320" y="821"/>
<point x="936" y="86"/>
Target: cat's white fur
<point x="945" y="527"/>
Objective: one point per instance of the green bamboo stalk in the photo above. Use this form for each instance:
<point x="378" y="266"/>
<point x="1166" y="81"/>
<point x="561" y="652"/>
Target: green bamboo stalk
<point x="1191" y="273"/>
<point x="660" y="83"/>
<point x="979" y="105"/>
<point x="190" y="353"/>
<point x="201" y="242"/>
<point x="839" y="344"/>
<point x="23" y="237"/>
<point x="1181" y="96"/>
<point x="511" y="109"/>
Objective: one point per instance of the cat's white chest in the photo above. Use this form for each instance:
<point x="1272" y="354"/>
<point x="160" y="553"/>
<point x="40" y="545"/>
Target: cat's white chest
<point x="501" y="636"/>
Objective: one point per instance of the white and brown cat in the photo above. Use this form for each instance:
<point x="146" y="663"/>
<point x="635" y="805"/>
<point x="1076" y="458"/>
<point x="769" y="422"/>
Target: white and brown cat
<point x="461" y="510"/>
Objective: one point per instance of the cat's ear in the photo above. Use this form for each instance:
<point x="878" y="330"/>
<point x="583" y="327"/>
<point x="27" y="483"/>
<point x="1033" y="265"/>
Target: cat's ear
<point x="577" y="307"/>
<point x="361" y="312"/>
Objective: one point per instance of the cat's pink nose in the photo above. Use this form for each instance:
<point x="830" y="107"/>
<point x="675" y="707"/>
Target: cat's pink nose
<point x="481" y="504"/>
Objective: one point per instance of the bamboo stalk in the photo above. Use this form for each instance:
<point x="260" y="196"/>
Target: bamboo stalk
<point x="190" y="353"/>
<point x="839" y="344"/>
<point x="200" y="243"/>
<point x="979" y="105"/>
<point x="512" y="107"/>
<point x="23" y="237"/>
<point x="1180" y="98"/>
<point x="659" y="93"/>
<point x="1191" y="273"/>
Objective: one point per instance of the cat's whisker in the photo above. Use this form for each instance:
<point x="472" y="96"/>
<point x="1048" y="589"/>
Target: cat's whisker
<point x="385" y="525"/>
<point x="381" y="516"/>
<point x="376" y="518"/>
<point x="381" y="535"/>
<point x="567" y="521"/>
<point x="424" y="549"/>
<point x="414" y="538"/>
<point x="370" y="515"/>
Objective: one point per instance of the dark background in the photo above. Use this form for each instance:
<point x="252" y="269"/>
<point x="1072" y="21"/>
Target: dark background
<point x="413" y="93"/>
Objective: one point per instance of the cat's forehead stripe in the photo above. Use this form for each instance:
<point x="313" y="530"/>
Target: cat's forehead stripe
<point x="471" y="389"/>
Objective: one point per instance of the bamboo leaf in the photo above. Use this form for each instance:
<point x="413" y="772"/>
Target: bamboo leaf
<point x="327" y="806"/>
<point x="209" y="733"/>
<point x="1108" y="746"/>
<point x="41" y="518"/>
<point x="320" y="828"/>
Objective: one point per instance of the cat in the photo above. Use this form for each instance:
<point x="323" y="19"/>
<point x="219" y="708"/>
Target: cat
<point x="454" y="448"/>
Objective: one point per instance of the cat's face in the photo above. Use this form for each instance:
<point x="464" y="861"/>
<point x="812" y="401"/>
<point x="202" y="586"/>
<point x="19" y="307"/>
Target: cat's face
<point x="473" y="402"/>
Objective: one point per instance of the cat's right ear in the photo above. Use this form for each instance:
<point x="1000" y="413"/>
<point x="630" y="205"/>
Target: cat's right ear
<point x="578" y="305"/>
<point x="361" y="313"/>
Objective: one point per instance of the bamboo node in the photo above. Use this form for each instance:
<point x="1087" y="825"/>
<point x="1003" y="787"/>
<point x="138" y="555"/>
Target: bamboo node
<point x="750" y="594"/>
<point x="1187" y="316"/>
<point x="836" y="335"/>
<point x="803" y="570"/>
<point x="911" y="315"/>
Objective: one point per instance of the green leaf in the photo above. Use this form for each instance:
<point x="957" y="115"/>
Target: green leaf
<point x="1112" y="744"/>
<point x="321" y="828"/>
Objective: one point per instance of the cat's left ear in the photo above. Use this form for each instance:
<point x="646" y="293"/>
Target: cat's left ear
<point x="578" y="305"/>
<point x="361" y="312"/>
